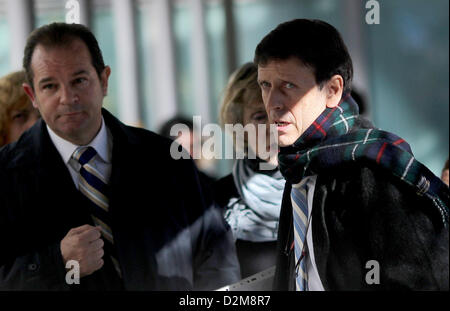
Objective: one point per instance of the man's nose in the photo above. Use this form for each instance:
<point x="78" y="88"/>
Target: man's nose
<point x="68" y="95"/>
<point x="274" y="101"/>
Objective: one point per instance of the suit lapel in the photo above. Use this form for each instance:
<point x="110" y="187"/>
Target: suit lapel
<point x="56" y="186"/>
<point x="320" y="236"/>
<point x="46" y="206"/>
<point x="134" y="247"/>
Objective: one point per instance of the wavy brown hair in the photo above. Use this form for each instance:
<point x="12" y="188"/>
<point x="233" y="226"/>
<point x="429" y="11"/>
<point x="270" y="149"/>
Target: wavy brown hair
<point x="242" y="89"/>
<point x="12" y="97"/>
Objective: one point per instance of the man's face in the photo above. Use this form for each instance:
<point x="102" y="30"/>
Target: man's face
<point x="67" y="90"/>
<point x="292" y="98"/>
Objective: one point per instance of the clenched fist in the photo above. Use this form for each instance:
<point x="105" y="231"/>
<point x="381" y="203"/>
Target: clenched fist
<point x="84" y="245"/>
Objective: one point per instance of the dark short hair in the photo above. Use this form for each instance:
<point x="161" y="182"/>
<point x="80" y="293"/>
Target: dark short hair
<point x="316" y="43"/>
<point x="61" y="34"/>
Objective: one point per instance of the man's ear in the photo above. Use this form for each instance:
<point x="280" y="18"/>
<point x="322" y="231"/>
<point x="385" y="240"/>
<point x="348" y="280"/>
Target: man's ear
<point x="104" y="79"/>
<point x="30" y="92"/>
<point x="334" y="89"/>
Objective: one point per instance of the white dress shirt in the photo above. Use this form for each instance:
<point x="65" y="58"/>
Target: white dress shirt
<point x="102" y="143"/>
<point x="314" y="282"/>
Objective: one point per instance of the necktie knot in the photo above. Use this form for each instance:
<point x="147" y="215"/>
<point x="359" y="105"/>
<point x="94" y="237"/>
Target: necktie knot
<point x="84" y="154"/>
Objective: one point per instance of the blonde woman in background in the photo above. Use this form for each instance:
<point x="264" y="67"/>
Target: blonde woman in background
<point x="249" y="196"/>
<point x="17" y="113"/>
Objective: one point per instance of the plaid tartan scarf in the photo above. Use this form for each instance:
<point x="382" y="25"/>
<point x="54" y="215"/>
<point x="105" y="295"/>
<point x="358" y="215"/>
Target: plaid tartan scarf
<point x="333" y="140"/>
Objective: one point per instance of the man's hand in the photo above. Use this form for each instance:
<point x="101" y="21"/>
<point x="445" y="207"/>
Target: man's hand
<point x="84" y="245"/>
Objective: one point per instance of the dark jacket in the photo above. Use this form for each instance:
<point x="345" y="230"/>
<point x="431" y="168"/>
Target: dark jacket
<point x="168" y="234"/>
<point x="361" y="213"/>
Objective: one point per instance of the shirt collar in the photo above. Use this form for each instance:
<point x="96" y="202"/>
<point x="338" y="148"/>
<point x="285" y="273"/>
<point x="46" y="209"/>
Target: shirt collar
<point x="100" y="143"/>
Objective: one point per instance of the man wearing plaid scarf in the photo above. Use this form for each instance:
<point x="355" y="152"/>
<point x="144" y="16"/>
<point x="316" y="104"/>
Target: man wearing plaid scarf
<point x="377" y="218"/>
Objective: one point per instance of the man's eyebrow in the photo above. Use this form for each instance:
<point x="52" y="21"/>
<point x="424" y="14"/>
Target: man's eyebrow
<point x="48" y="79"/>
<point x="79" y="72"/>
<point x="45" y="80"/>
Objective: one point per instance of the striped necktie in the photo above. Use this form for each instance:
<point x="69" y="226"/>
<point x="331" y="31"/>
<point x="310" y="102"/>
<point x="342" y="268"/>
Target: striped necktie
<point x="300" y="215"/>
<point x="95" y="187"/>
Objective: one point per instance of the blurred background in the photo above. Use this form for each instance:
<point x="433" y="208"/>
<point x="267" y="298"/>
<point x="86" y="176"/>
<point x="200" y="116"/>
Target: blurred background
<point x="173" y="57"/>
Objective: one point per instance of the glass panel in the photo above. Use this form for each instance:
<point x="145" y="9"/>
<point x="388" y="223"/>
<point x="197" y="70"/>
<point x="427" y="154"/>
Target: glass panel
<point x="49" y="11"/>
<point x="215" y="28"/>
<point x="182" y="27"/>
<point x="217" y="49"/>
<point x="409" y="73"/>
<point x="146" y="75"/>
<point x="103" y="26"/>
<point x="4" y="40"/>
<point x="256" y="18"/>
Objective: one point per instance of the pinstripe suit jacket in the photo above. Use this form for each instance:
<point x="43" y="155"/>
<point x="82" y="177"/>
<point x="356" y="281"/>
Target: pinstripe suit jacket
<point x="168" y="233"/>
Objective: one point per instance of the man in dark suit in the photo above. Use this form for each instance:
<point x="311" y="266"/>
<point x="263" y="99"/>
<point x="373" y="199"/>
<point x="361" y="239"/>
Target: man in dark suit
<point x="359" y="212"/>
<point x="81" y="194"/>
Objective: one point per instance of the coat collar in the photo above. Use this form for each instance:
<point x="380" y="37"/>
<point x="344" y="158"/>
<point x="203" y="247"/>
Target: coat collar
<point x="36" y="147"/>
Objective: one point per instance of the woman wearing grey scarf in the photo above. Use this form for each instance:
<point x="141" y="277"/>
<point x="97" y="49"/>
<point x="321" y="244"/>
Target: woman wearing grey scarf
<point x="251" y="195"/>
